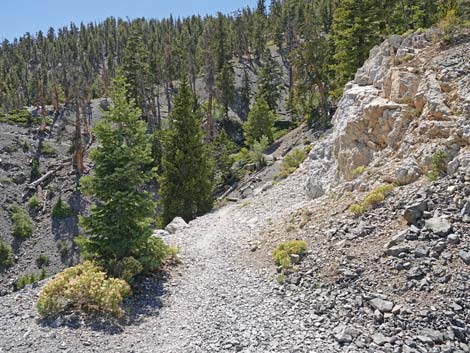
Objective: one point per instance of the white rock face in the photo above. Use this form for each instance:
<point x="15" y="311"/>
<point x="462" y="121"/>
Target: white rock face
<point x="176" y="224"/>
<point x="408" y="100"/>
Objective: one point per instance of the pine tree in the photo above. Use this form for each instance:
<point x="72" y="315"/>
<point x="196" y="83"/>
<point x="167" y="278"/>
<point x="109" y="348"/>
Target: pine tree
<point x="270" y="81"/>
<point x="186" y="181"/>
<point x="136" y="70"/>
<point x="222" y="149"/>
<point x="245" y="94"/>
<point x="119" y="223"/>
<point x="226" y="86"/>
<point x="357" y="27"/>
<point x="260" y="122"/>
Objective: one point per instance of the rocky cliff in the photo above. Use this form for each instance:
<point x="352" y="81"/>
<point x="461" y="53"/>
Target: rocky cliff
<point x="410" y="99"/>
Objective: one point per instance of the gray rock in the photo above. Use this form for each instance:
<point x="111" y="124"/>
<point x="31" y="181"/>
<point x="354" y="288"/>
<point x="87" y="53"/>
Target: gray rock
<point x="408" y="172"/>
<point x="160" y="233"/>
<point x="396" y="239"/>
<point x="465" y="256"/>
<point x="421" y="251"/>
<point x="379" y="339"/>
<point x="177" y="224"/>
<point x="453" y="238"/>
<point x="439" y="226"/>
<point x="414" y="212"/>
<point x="434" y="335"/>
<point x="382" y="305"/>
<point x="465" y="209"/>
<point x="397" y="250"/>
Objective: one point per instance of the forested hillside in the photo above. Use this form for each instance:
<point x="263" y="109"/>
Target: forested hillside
<point x="322" y="42"/>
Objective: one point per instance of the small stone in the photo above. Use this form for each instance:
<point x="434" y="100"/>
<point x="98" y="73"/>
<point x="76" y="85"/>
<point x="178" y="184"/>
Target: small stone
<point x="434" y="335"/>
<point x="466" y="209"/>
<point x="414" y="213"/>
<point x="379" y="339"/>
<point x="294" y="258"/>
<point x="465" y="256"/>
<point x="397" y="238"/>
<point x="421" y="251"/>
<point x="439" y="226"/>
<point x="453" y="238"/>
<point x="343" y="337"/>
<point x="381" y="305"/>
<point x="378" y="316"/>
<point x="397" y="250"/>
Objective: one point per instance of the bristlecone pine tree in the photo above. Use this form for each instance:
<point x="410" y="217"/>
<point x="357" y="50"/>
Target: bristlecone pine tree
<point x="119" y="222"/>
<point x="186" y="183"/>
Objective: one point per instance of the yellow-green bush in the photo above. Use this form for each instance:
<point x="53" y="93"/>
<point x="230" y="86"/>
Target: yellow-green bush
<point x="33" y="202"/>
<point x="359" y="171"/>
<point x="291" y="162"/>
<point x="372" y="199"/>
<point x="283" y="251"/>
<point x="84" y="287"/>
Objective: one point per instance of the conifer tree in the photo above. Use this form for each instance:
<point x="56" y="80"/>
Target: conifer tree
<point x="260" y="122"/>
<point x="226" y="86"/>
<point x="270" y="81"/>
<point x="357" y="27"/>
<point x="245" y="94"/>
<point x="119" y="223"/>
<point x="186" y="181"/>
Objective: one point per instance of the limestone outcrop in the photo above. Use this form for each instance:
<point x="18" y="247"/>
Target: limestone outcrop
<point x="410" y="99"/>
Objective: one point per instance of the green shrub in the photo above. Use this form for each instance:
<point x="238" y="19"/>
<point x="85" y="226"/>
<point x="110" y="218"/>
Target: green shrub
<point x="63" y="248"/>
<point x="282" y="253"/>
<point x="33" y="202"/>
<point x="22" y="223"/>
<point x="277" y="134"/>
<point x="438" y="165"/>
<point x="152" y="254"/>
<point x="6" y="255"/>
<point x="83" y="287"/>
<point x="359" y="171"/>
<point x="35" y="172"/>
<point x="281" y="278"/>
<point x="42" y="261"/>
<point x="372" y="199"/>
<point x="172" y="254"/>
<point x="357" y="209"/>
<point x="291" y="162"/>
<point x="126" y="268"/>
<point x="26" y="280"/>
<point x="22" y="118"/>
<point x="259" y="147"/>
<point x="47" y="149"/>
<point x="61" y="210"/>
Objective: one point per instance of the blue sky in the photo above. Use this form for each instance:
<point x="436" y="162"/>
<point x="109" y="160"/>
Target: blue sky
<point x="20" y="16"/>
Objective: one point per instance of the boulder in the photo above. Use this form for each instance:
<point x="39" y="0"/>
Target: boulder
<point x="177" y="224"/>
<point x="160" y="233"/>
<point x="439" y="226"/>
<point x="414" y="212"/>
<point x="407" y="172"/>
<point x="382" y="305"/>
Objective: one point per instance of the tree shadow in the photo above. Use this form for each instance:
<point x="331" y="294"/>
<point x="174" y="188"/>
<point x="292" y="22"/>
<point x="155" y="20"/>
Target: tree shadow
<point x="145" y="302"/>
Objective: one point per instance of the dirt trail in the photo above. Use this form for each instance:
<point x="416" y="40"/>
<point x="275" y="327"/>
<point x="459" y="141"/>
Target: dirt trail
<point x="215" y="301"/>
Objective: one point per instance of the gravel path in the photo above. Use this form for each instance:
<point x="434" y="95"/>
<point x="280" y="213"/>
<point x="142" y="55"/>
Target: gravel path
<point x="217" y="300"/>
